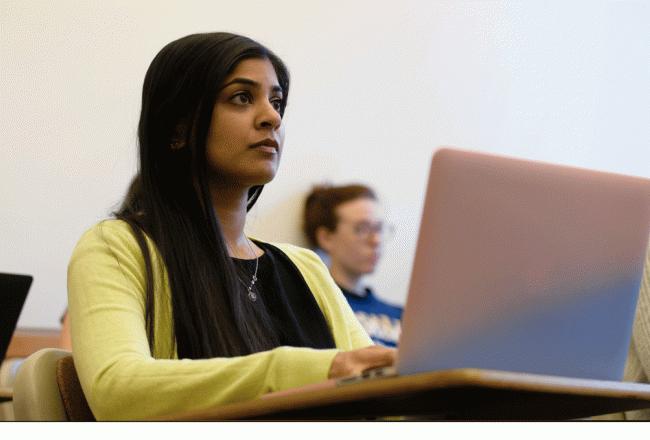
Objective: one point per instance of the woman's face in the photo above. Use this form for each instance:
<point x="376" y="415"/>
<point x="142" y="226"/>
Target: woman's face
<point x="246" y="134"/>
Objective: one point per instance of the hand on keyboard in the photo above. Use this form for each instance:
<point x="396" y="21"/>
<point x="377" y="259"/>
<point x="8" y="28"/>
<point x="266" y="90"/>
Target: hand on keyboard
<point x="349" y="363"/>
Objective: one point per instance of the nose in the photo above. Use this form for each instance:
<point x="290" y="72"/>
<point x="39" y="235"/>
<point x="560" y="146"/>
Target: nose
<point x="374" y="238"/>
<point x="268" y="116"/>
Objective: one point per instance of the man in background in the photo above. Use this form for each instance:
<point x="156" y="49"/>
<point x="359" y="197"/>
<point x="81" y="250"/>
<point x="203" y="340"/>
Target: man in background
<point x="343" y="222"/>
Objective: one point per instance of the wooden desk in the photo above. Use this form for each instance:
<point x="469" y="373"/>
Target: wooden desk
<point x="444" y="395"/>
<point x="6" y="394"/>
<point x="26" y="341"/>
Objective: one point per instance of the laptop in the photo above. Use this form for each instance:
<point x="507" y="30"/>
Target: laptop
<point x="524" y="266"/>
<point x="521" y="267"/>
<point x="13" y="293"/>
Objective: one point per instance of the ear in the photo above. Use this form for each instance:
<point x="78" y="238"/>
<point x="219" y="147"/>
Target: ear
<point x="324" y="238"/>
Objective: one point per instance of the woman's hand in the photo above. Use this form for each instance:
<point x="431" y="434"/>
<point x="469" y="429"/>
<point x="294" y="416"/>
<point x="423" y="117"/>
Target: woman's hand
<point x="350" y="363"/>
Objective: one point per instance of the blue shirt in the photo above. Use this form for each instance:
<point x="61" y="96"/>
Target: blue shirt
<point x="381" y="320"/>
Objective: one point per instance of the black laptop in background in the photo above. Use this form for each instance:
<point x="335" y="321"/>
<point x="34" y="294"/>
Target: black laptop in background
<point x="13" y="292"/>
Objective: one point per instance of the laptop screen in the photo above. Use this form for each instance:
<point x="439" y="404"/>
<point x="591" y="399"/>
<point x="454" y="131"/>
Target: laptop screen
<point x="525" y="266"/>
<point x="13" y="292"/>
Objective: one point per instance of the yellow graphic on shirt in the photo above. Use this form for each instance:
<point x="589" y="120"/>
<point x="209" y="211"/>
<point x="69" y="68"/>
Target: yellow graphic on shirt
<point x="380" y="326"/>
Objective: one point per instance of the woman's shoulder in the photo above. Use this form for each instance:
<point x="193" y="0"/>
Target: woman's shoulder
<point x="110" y="232"/>
<point x="111" y="241"/>
<point x="112" y="227"/>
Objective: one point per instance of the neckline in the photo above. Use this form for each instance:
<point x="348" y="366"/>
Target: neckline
<point x="249" y="259"/>
<point x="367" y="293"/>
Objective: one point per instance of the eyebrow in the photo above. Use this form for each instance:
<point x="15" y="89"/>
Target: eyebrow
<point x="250" y="83"/>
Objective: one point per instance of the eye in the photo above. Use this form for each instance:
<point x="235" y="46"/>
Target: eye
<point x="241" y="98"/>
<point x="362" y="228"/>
<point x="277" y="105"/>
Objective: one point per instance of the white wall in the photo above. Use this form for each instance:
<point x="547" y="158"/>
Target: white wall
<point x="376" y="86"/>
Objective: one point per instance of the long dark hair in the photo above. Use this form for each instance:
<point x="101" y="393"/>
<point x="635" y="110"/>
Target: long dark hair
<point x="170" y="202"/>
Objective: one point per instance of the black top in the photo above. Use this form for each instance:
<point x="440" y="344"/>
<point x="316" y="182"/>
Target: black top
<point x="280" y="287"/>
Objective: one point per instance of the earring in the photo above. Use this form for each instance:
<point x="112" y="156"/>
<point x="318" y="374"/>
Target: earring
<point x="177" y="144"/>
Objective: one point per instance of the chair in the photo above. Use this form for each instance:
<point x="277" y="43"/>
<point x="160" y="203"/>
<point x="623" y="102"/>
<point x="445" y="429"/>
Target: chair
<point x="47" y="388"/>
<point x="8" y="370"/>
<point x="74" y="400"/>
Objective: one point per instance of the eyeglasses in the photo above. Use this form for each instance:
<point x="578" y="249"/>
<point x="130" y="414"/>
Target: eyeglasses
<point x="365" y="230"/>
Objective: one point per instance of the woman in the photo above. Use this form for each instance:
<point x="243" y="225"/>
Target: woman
<point x="172" y="307"/>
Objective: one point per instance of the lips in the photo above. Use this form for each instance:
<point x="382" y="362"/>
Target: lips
<point x="267" y="144"/>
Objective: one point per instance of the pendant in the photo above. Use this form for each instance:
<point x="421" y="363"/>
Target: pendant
<point x="251" y="294"/>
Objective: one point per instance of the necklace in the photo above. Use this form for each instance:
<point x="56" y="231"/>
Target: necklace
<point x="251" y="295"/>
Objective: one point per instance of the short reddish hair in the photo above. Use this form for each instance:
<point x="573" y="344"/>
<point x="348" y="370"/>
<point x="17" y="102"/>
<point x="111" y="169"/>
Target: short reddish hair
<point x="321" y="204"/>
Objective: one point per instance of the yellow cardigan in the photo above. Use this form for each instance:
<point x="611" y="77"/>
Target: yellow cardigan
<point x="123" y="380"/>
